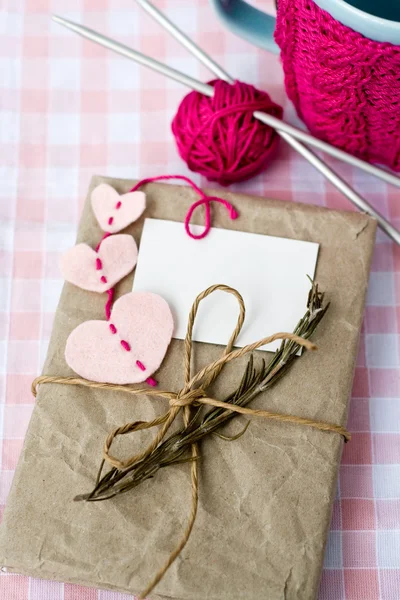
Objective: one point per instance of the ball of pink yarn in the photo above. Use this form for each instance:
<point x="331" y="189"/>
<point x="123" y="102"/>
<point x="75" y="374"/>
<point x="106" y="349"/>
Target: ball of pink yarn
<point x="219" y="138"/>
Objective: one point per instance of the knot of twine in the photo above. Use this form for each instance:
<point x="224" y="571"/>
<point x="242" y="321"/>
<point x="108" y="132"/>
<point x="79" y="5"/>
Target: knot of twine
<point x="187" y="398"/>
<point x="193" y="393"/>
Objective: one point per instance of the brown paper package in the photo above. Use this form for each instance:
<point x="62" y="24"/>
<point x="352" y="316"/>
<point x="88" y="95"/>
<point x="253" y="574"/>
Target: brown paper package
<point x="265" y="499"/>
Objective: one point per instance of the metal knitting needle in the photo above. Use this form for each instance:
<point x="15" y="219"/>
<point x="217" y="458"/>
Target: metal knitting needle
<point x="294" y="142"/>
<point x="314" y="160"/>
<point x="208" y="90"/>
<point x="138" y="57"/>
<point x="183" y="39"/>
<point x="274" y="122"/>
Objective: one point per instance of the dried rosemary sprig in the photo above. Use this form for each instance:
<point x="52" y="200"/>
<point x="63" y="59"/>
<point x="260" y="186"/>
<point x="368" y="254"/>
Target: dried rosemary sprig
<point x="175" y="448"/>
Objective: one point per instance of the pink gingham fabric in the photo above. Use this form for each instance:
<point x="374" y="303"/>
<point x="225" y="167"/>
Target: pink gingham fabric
<point x="69" y="109"/>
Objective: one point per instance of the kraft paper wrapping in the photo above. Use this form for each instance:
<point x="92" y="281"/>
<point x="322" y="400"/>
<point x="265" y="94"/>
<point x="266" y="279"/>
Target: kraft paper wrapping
<point x="265" y="499"/>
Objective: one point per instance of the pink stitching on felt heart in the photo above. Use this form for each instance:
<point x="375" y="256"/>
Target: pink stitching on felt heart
<point x="127" y="347"/>
<point x="109" y="302"/>
<point x="114" y="212"/>
<point x="115" y="258"/>
<point x="107" y="209"/>
<point x="95" y="352"/>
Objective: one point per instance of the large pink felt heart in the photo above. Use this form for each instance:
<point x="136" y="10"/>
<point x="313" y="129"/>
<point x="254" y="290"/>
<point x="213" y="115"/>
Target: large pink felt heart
<point x="114" y="212"/>
<point x="100" y="271"/>
<point x="126" y="349"/>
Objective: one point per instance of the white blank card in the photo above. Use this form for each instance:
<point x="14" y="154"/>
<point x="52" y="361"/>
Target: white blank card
<point x="269" y="272"/>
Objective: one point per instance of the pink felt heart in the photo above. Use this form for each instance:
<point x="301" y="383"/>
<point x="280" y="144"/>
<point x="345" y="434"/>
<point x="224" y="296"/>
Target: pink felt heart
<point x="126" y="349"/>
<point x="100" y="271"/>
<point x="114" y="212"/>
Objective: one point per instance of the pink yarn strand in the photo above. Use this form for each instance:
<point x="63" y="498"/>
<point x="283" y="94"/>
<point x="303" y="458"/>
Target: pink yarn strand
<point x="109" y="302"/>
<point x="204" y="200"/>
<point x="166" y="178"/>
<point x="106" y="235"/>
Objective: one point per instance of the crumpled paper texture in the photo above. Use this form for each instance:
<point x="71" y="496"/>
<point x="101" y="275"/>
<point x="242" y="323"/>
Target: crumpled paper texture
<point x="265" y="499"/>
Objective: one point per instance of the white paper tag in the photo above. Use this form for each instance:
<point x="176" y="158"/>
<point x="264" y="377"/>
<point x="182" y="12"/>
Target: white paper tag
<point x="269" y="272"/>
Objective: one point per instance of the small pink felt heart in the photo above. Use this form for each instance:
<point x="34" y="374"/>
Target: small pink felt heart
<point x="100" y="271"/>
<point x="114" y="212"/>
<point x="126" y="349"/>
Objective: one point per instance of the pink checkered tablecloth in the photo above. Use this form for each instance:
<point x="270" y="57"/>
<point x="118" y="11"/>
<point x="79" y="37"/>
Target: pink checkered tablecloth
<point x="69" y="109"/>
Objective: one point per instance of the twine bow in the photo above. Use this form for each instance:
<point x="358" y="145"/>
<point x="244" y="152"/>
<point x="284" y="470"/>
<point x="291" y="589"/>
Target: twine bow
<point x="192" y="394"/>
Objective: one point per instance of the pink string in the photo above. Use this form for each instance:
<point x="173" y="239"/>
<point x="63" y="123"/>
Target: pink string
<point x="150" y="381"/>
<point x="106" y="235"/>
<point x="110" y="292"/>
<point x="204" y="200"/>
<point x="109" y="302"/>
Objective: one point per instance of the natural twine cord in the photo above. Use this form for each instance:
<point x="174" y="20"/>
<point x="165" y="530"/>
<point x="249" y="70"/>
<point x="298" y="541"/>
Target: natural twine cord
<point x="188" y="396"/>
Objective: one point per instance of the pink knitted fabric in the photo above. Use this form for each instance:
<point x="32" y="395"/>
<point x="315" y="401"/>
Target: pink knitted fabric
<point x="345" y="87"/>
